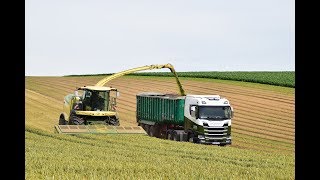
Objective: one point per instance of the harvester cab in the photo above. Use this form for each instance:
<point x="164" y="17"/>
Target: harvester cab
<point x="92" y="98"/>
<point x="92" y="109"/>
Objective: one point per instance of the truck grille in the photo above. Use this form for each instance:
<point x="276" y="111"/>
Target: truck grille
<point x="215" y="134"/>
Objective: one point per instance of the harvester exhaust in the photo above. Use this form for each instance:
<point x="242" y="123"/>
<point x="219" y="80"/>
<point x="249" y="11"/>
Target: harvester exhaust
<point x="98" y="129"/>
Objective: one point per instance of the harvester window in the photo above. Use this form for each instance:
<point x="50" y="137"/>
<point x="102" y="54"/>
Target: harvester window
<point x="98" y="100"/>
<point x="86" y="100"/>
<point x="87" y="94"/>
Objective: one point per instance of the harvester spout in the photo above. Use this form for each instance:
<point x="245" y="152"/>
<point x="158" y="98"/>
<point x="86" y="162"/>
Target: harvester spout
<point x="182" y="93"/>
<point x="105" y="80"/>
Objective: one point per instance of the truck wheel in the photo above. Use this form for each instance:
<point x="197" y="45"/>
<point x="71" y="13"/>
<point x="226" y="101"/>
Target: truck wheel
<point x="62" y="121"/>
<point x="154" y="131"/>
<point x="176" y="136"/>
<point x="191" y="138"/>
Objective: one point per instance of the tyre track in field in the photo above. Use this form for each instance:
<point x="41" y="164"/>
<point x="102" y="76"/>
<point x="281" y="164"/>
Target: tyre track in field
<point x="131" y="104"/>
<point x="272" y="128"/>
<point x="280" y="134"/>
<point x="254" y="129"/>
<point x="235" y="90"/>
<point x="118" y="84"/>
<point x="74" y="81"/>
<point x="245" y="91"/>
<point x="262" y="130"/>
<point x="245" y="117"/>
<point x="51" y="91"/>
<point x="234" y="103"/>
<point x="233" y="96"/>
<point x="281" y="115"/>
<point x="126" y="103"/>
<point x="68" y="86"/>
<point x="244" y="97"/>
<point x="261" y="125"/>
<point x="264" y="133"/>
<point x="258" y="140"/>
<point x="240" y="143"/>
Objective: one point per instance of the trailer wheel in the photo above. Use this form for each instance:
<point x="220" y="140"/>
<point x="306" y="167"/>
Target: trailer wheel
<point x="147" y="129"/>
<point x="176" y="136"/>
<point x="169" y="135"/>
<point x="155" y="130"/>
<point x="62" y="121"/>
<point x="151" y="131"/>
<point x="143" y="126"/>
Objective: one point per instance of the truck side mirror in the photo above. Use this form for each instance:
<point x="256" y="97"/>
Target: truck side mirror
<point x="193" y="111"/>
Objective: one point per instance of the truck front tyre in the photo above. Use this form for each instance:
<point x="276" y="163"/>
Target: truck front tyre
<point x="193" y="139"/>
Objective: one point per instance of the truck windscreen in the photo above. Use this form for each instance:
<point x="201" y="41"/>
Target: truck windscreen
<point x="214" y="112"/>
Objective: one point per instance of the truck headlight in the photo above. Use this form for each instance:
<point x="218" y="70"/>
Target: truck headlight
<point x="201" y="136"/>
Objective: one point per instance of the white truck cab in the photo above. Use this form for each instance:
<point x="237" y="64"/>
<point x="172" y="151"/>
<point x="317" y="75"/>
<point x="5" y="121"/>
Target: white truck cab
<point x="208" y="117"/>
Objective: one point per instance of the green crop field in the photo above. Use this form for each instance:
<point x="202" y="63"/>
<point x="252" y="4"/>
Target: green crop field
<point x="262" y="131"/>
<point x="141" y="157"/>
<point x="283" y="78"/>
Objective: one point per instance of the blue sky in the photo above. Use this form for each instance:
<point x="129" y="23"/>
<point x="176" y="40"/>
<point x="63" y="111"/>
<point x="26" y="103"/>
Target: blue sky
<point x="66" y="37"/>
